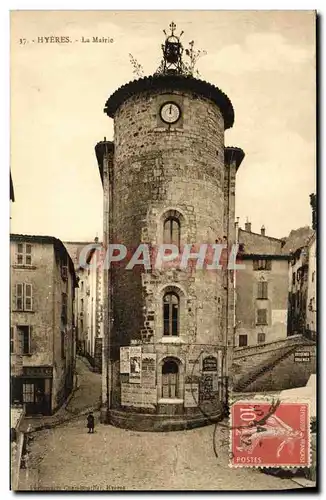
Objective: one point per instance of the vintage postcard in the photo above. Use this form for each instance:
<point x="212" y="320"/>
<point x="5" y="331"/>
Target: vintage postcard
<point x="163" y="265"/>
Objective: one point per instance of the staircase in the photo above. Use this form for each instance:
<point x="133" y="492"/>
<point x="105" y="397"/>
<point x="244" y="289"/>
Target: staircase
<point x="264" y="367"/>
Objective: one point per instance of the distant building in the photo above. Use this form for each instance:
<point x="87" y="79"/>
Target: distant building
<point x="261" y="289"/>
<point x="88" y="303"/>
<point x="298" y="289"/>
<point x="311" y="306"/>
<point x="302" y="279"/>
<point x="42" y="341"/>
<point x="297" y="245"/>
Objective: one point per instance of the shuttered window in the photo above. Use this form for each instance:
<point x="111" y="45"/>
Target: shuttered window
<point x="24" y="297"/>
<point x="20" y="296"/>
<point x="24" y="332"/>
<point x="24" y="254"/>
<point x="262" y="292"/>
<point x="262" y="264"/>
<point x="261" y="316"/>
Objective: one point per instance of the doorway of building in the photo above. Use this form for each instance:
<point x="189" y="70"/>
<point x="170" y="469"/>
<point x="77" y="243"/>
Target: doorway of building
<point x="34" y="397"/>
<point x="170" y="379"/>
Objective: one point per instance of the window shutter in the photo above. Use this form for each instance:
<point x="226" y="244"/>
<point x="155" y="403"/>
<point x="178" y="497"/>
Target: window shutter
<point x="260" y="290"/>
<point x="30" y="331"/>
<point x="28" y="306"/>
<point x="264" y="289"/>
<point x="28" y="254"/>
<point x="12" y="340"/>
<point x="268" y="265"/>
<point x="255" y="265"/>
<point x="19" y="297"/>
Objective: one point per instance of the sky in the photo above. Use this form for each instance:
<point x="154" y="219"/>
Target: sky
<point x="263" y="60"/>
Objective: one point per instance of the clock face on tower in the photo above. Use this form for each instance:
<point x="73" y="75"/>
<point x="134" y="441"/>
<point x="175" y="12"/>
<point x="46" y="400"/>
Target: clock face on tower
<point x="170" y="112"/>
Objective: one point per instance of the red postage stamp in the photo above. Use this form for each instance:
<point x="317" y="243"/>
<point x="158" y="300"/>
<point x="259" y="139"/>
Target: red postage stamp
<point x="267" y="435"/>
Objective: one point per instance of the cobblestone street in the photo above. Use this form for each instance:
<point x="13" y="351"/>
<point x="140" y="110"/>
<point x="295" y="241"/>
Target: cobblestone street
<point x="67" y="457"/>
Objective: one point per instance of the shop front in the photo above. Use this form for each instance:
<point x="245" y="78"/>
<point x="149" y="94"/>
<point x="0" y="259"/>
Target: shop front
<point x="33" y="389"/>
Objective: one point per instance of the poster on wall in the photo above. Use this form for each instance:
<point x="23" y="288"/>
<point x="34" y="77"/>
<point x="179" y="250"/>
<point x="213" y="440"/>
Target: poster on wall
<point x="124" y="360"/>
<point x="135" y="360"/>
<point x="206" y="392"/>
<point x="191" y="398"/>
<point x="279" y="316"/>
<point x="210" y="364"/>
<point x="138" y="397"/>
<point x="148" y="370"/>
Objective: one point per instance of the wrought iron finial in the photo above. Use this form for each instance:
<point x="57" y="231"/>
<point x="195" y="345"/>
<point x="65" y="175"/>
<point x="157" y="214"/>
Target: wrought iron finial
<point x="172" y="27"/>
<point x="172" y="49"/>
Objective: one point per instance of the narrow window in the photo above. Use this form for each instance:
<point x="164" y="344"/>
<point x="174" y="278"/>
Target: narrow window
<point x="293" y="278"/>
<point x="243" y="340"/>
<point x="170" y="372"/>
<point x="171" y="234"/>
<point x="261" y="316"/>
<point x="82" y="305"/>
<point x="24" y="332"/>
<point x="171" y="314"/>
<point x="261" y="338"/>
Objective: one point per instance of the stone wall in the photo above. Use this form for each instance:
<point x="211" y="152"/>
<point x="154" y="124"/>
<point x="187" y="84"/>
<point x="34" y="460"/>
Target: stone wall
<point x="288" y="373"/>
<point x="161" y="170"/>
<point x="157" y="169"/>
<point x="247" y="359"/>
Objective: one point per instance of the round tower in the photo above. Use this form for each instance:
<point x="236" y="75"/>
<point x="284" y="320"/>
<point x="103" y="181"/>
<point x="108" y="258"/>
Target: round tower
<point x="171" y="183"/>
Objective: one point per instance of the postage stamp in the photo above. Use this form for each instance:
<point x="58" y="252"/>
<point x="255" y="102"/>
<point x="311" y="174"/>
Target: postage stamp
<point x="265" y="435"/>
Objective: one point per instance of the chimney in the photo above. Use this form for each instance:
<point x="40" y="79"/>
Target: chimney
<point x="248" y="226"/>
<point x="262" y="230"/>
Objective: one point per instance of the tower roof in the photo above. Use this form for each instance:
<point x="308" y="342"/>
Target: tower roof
<point x="158" y="83"/>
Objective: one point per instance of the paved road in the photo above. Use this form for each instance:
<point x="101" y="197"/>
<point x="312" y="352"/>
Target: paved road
<point x="67" y="457"/>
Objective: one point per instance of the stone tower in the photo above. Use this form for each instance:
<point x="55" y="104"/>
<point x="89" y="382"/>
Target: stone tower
<point x="168" y="179"/>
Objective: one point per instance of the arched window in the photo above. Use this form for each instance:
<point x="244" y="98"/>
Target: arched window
<point x="170" y="374"/>
<point x="171" y="314"/>
<point x="171" y="233"/>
